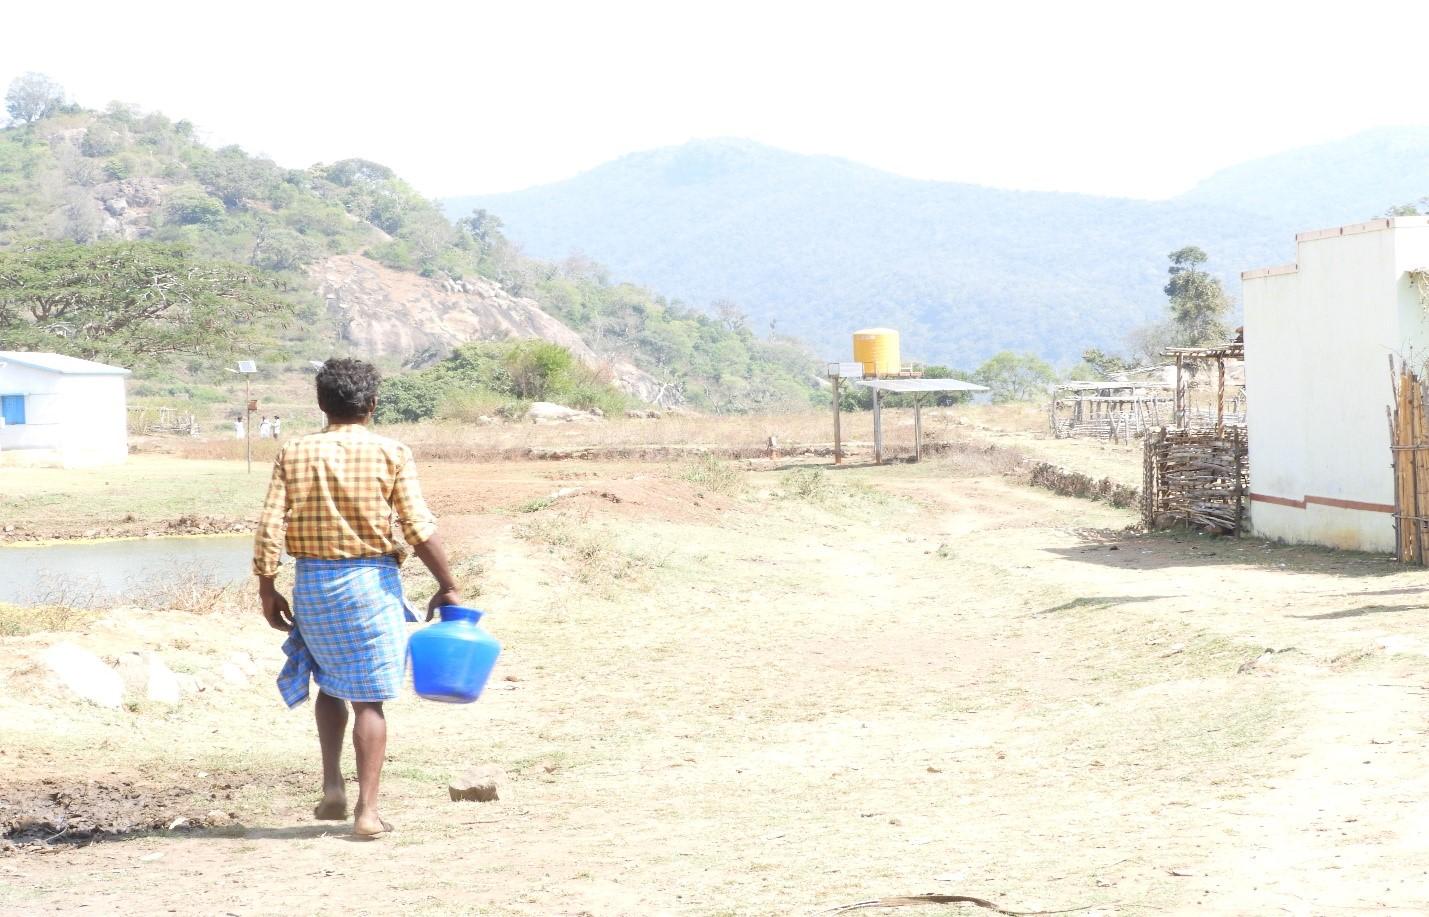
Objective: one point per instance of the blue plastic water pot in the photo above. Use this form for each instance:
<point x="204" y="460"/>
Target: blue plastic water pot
<point x="452" y="660"/>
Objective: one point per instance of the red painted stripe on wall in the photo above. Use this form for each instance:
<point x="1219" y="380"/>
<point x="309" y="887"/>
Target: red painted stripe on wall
<point x="1278" y="501"/>
<point x="1324" y="501"/>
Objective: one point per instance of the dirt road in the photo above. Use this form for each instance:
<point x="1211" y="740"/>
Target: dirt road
<point x="821" y="689"/>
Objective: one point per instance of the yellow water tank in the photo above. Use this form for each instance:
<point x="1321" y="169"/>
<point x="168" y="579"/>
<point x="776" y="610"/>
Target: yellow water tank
<point x="877" y="350"/>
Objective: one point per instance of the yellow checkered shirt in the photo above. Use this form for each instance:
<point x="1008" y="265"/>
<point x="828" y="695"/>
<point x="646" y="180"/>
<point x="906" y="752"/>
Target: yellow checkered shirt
<point x="339" y="493"/>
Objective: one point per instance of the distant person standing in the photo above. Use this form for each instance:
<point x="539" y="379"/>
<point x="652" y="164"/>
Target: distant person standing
<point x="333" y="502"/>
<point x="277" y="426"/>
<point x="238" y="427"/>
<point x="265" y="430"/>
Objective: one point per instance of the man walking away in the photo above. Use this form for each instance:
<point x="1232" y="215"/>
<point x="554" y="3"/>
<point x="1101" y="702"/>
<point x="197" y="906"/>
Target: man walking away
<point x="339" y="493"/>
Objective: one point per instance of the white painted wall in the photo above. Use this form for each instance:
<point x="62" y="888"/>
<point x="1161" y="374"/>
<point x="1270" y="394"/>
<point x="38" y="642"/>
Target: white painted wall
<point x="1318" y="340"/>
<point x="71" y="420"/>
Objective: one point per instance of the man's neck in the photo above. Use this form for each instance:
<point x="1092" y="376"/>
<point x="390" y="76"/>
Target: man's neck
<point x="348" y="421"/>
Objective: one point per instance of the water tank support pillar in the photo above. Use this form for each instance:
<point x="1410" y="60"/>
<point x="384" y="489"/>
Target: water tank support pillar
<point x="917" y="428"/>
<point x="877" y="428"/>
<point x="838" y="440"/>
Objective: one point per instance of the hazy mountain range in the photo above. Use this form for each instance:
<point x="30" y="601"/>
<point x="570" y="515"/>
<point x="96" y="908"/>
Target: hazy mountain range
<point x="820" y="246"/>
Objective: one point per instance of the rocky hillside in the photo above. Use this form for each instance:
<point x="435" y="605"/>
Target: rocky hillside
<point x="389" y="313"/>
<point x="371" y="266"/>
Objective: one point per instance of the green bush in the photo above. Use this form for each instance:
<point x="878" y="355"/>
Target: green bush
<point x="101" y="140"/>
<point x="409" y="398"/>
<point x="470" y="405"/>
<point x="192" y="207"/>
<point x="395" y="254"/>
<point x="537" y="368"/>
<point x="119" y="168"/>
<point x="496" y="378"/>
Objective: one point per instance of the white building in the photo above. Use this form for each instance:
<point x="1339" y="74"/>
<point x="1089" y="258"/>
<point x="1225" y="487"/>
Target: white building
<point x="1318" y="337"/>
<point x="60" y="410"/>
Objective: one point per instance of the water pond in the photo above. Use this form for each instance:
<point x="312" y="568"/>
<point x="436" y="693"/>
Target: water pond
<point x="99" y="572"/>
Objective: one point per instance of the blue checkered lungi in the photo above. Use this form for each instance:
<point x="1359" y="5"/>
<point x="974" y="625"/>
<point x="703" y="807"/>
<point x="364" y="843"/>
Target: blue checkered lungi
<point x="348" y="633"/>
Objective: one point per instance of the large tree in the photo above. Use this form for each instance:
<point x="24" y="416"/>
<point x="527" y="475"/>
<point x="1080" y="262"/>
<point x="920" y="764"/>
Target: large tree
<point x="1197" y="302"/>
<point x="1015" y="376"/>
<point x="32" y="97"/>
<point x="131" y="303"/>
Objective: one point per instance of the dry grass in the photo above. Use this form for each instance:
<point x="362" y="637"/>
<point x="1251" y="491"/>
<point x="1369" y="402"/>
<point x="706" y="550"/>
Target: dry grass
<point x="181" y="588"/>
<point x="19" y="620"/>
<point x="708" y="473"/>
<point x="589" y="548"/>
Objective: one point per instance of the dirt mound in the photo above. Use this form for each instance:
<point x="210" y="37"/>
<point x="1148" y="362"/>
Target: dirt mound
<point x="54" y="811"/>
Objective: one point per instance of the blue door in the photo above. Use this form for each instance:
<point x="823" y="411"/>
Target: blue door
<point x="12" y="408"/>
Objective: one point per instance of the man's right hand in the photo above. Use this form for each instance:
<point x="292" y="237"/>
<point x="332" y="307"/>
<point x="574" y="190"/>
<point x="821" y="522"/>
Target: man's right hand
<point x="275" y="606"/>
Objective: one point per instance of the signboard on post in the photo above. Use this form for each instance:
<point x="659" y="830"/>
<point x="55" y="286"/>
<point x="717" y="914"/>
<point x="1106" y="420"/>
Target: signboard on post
<point x="845" y="370"/>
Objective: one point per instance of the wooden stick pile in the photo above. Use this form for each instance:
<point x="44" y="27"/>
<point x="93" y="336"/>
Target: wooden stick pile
<point x="1195" y="478"/>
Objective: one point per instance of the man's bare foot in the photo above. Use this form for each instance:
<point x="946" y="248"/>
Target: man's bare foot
<point x="370" y="825"/>
<point x="332" y="808"/>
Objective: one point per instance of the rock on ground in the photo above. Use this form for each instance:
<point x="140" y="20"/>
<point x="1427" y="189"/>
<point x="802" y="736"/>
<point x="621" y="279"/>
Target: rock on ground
<point x="480" y="784"/>
<point x="85" y="674"/>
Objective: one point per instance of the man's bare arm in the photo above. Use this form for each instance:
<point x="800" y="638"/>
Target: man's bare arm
<point x="434" y="556"/>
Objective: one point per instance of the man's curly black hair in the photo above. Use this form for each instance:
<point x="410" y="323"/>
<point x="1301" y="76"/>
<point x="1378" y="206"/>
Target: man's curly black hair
<point x="347" y="389"/>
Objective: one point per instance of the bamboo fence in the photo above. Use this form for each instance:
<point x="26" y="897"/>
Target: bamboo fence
<point x="1111" y="417"/>
<point x="1196" y="478"/>
<point x="1409" y="449"/>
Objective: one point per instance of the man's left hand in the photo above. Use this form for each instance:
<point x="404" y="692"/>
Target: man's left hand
<point x="450" y="596"/>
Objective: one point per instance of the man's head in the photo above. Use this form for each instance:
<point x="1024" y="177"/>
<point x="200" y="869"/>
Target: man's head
<point x="347" y="389"/>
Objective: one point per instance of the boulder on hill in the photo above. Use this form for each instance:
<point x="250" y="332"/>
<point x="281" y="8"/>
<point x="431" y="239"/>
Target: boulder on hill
<point x="548" y="412"/>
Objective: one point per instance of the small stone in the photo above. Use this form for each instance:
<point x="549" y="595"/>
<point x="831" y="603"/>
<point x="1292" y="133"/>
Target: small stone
<point x="480" y="784"/>
<point x="217" y="818"/>
<point x="934" y="770"/>
<point x="512" y="678"/>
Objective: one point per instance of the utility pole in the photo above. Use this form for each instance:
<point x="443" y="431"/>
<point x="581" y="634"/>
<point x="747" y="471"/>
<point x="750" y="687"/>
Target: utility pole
<point x="247" y="368"/>
<point x="248" y="422"/>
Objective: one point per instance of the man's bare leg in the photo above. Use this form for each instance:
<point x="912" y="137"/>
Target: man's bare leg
<point x="331" y="715"/>
<point x="369" y="738"/>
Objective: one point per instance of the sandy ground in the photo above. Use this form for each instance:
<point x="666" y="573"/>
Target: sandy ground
<point x="821" y="689"/>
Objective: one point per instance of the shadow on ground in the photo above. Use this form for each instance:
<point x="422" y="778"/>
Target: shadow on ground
<point x="1162" y="551"/>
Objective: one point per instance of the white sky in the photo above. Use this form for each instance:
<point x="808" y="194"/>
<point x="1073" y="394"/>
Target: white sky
<point x="1138" y="98"/>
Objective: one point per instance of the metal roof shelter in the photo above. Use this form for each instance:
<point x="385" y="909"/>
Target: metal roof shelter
<point x="915" y="387"/>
